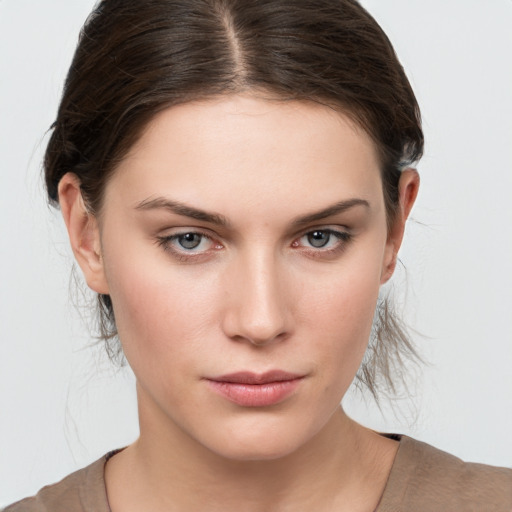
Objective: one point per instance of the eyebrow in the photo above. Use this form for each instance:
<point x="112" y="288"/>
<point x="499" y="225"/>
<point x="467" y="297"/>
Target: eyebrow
<point x="215" y="218"/>
<point x="334" y="209"/>
<point x="182" y="209"/>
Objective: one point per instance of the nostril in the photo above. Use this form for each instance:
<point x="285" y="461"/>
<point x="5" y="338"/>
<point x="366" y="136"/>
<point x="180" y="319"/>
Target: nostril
<point x="265" y="340"/>
<point x="239" y="327"/>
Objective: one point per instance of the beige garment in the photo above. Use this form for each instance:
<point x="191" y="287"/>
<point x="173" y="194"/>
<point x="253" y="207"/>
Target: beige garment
<point x="422" y="479"/>
<point x="425" y="479"/>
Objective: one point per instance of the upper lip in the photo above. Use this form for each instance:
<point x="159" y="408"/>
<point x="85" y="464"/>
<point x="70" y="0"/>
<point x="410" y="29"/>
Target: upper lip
<point x="257" y="378"/>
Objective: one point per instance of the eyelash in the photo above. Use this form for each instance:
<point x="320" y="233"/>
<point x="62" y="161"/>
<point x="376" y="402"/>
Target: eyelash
<point x="183" y="255"/>
<point x="343" y="238"/>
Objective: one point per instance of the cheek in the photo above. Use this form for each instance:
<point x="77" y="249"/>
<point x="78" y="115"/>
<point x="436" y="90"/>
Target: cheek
<point x="346" y="294"/>
<point x="160" y="310"/>
<point x="338" y="314"/>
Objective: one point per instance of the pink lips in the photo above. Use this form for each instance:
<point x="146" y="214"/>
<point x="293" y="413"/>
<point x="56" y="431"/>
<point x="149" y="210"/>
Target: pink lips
<point x="255" y="390"/>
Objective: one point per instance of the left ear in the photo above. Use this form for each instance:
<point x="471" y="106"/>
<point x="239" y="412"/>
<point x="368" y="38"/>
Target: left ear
<point x="408" y="190"/>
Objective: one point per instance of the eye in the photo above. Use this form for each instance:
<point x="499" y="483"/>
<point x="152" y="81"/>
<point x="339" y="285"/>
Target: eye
<point x="188" y="244"/>
<point x="189" y="240"/>
<point x="323" y="241"/>
<point x="318" y="238"/>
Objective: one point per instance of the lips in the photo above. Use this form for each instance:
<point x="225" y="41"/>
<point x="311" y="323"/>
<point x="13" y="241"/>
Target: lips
<point x="249" y="389"/>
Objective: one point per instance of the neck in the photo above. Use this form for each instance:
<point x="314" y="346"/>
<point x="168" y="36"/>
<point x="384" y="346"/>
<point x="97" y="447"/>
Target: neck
<point x="344" y="466"/>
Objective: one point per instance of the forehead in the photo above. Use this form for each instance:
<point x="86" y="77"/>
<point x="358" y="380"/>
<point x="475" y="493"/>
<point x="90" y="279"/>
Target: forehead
<point x="248" y="151"/>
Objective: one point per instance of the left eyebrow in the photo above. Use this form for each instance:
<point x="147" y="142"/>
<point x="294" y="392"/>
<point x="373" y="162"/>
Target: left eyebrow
<point x="334" y="209"/>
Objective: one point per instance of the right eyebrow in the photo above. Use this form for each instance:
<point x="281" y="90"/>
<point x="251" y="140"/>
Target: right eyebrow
<point x="182" y="209"/>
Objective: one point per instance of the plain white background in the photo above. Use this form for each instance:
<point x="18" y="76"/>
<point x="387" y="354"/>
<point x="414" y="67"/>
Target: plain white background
<point x="61" y="403"/>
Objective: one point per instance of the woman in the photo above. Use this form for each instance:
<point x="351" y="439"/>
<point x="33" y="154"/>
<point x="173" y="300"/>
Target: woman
<point x="235" y="179"/>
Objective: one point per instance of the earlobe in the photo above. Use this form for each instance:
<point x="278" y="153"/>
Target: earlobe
<point x="408" y="191"/>
<point x="83" y="231"/>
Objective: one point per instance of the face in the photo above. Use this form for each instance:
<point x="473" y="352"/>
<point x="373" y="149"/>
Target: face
<point x="243" y="243"/>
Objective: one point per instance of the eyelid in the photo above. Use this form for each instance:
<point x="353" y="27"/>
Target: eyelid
<point x="166" y="240"/>
<point x="335" y="230"/>
<point x="344" y="237"/>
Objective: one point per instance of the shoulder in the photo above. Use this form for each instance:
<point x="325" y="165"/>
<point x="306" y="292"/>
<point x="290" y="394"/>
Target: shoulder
<point x="427" y="479"/>
<point x="81" y="491"/>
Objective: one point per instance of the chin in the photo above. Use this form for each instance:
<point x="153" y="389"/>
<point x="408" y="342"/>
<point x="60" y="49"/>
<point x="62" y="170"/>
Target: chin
<point x="261" y="441"/>
<point x="249" y="450"/>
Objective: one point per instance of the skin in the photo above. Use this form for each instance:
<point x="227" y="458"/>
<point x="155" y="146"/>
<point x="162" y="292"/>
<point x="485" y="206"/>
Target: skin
<point x="254" y="295"/>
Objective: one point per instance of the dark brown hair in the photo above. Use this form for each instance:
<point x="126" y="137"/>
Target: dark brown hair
<point x="138" y="57"/>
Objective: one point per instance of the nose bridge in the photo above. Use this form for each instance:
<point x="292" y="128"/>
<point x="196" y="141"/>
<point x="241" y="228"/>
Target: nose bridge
<point x="259" y="310"/>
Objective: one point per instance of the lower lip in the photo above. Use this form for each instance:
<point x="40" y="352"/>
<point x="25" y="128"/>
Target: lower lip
<point x="255" y="395"/>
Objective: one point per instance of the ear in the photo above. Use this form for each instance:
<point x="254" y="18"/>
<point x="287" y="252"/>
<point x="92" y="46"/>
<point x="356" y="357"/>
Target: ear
<point x="408" y="187"/>
<point x="83" y="232"/>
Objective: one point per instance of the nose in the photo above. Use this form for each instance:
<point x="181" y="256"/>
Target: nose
<point x="258" y="307"/>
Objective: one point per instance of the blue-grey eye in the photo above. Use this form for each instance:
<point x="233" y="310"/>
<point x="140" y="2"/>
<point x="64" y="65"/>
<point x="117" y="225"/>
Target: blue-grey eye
<point x="190" y="240"/>
<point x="319" y="238"/>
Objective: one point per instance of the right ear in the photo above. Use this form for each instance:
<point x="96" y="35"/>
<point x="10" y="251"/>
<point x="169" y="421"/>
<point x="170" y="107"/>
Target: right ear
<point x="83" y="231"/>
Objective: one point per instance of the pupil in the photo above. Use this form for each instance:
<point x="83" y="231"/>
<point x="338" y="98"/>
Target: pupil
<point x="189" y="240"/>
<point x="318" y="238"/>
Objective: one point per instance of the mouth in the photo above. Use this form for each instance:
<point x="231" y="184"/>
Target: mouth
<point x="249" y="389"/>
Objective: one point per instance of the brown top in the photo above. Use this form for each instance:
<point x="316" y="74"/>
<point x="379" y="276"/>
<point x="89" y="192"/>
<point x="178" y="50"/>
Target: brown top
<point x="422" y="479"/>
